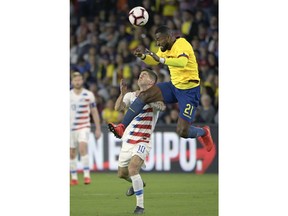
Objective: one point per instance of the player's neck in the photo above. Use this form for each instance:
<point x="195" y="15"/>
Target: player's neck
<point x="172" y="43"/>
<point x="78" y="91"/>
<point x="144" y="88"/>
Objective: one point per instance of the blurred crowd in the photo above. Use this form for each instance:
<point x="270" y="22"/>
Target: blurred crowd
<point x="102" y="42"/>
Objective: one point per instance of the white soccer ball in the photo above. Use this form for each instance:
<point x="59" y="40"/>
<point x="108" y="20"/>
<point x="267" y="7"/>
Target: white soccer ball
<point x="138" y="16"/>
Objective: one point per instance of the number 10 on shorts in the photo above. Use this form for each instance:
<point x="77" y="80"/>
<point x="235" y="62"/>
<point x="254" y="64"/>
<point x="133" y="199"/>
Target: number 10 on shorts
<point x="141" y="149"/>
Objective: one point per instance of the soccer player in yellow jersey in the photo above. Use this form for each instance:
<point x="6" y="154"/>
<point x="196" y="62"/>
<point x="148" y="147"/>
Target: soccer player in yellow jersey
<point x="184" y="87"/>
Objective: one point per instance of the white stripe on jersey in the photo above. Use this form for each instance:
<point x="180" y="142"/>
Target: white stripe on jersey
<point x="80" y="109"/>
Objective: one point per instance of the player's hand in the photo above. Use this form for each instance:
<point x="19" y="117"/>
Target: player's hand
<point x="98" y="133"/>
<point x="138" y="53"/>
<point x="123" y="87"/>
<point x="155" y="57"/>
<point x="159" y="105"/>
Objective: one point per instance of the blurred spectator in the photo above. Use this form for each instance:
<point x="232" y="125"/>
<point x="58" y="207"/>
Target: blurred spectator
<point x="187" y="22"/>
<point x="73" y="50"/>
<point x="114" y="92"/>
<point x="184" y="4"/>
<point x="169" y="7"/>
<point x="120" y="71"/>
<point x="109" y="114"/>
<point x="216" y="118"/>
<point x="172" y="117"/>
<point x="216" y="91"/>
<point x="213" y="43"/>
<point x="206" y="110"/>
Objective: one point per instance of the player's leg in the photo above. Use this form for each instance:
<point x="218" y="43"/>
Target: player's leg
<point x="124" y="173"/>
<point x="137" y="182"/>
<point x="159" y="92"/>
<point x="73" y="166"/>
<point x="140" y="152"/>
<point x="123" y="161"/>
<point x="188" y="100"/>
<point x="73" y="158"/>
<point x="185" y="130"/>
<point x="85" y="161"/>
<point x="83" y="150"/>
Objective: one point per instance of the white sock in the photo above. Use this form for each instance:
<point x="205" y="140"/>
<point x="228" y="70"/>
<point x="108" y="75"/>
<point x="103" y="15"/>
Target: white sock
<point x="73" y="168"/>
<point x="85" y="162"/>
<point x="138" y="189"/>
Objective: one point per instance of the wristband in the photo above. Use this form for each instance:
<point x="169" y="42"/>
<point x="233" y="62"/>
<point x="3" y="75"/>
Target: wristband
<point x="143" y="56"/>
<point x="162" y="60"/>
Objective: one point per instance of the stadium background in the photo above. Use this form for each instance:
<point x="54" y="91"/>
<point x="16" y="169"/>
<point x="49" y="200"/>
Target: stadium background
<point x="102" y="42"/>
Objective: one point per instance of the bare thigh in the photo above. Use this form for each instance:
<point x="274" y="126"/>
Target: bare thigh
<point x="83" y="148"/>
<point x="135" y="165"/>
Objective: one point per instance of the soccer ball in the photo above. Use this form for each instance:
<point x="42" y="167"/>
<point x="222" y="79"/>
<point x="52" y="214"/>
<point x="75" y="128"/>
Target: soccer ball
<point x="138" y="16"/>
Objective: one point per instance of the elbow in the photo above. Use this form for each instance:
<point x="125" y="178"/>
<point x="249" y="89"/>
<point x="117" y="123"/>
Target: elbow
<point x="182" y="65"/>
<point x="118" y="108"/>
<point x="183" y="62"/>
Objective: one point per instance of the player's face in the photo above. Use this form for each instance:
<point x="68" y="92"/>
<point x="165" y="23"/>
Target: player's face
<point x="77" y="82"/>
<point x="162" y="41"/>
<point x="144" y="79"/>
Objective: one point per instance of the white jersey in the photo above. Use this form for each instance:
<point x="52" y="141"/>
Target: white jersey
<point x="142" y="126"/>
<point x="80" y="108"/>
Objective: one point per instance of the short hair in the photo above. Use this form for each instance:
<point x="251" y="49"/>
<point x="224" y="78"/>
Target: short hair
<point x="151" y="74"/>
<point x="76" y="74"/>
<point x="163" y="30"/>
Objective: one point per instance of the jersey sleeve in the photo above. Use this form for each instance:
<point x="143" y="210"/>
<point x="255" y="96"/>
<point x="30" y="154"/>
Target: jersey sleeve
<point x="92" y="100"/>
<point x="183" y="48"/>
<point x="127" y="98"/>
<point x="159" y="53"/>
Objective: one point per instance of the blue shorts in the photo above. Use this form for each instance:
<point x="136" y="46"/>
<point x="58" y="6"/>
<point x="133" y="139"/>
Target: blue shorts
<point x="188" y="99"/>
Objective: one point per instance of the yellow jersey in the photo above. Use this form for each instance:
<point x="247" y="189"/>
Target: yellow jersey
<point x="182" y="77"/>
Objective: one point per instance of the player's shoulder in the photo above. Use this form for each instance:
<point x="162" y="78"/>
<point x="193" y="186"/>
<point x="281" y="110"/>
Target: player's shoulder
<point x="182" y="41"/>
<point x="130" y="95"/>
<point x="86" y="92"/>
<point x="133" y="93"/>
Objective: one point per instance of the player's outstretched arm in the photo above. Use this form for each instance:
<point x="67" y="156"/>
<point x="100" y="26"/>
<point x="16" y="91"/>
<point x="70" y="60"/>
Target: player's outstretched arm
<point x="146" y="58"/>
<point x="120" y="105"/>
<point x="180" y="61"/>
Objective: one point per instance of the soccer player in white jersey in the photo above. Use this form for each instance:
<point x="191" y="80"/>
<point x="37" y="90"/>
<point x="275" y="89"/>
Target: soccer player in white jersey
<point x="136" y="138"/>
<point x="82" y="103"/>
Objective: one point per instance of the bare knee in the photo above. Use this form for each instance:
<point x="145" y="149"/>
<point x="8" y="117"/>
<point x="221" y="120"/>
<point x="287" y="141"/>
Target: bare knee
<point x="135" y="165"/>
<point x="133" y="171"/>
<point x="122" y="174"/>
<point x="182" y="131"/>
<point x="83" y="148"/>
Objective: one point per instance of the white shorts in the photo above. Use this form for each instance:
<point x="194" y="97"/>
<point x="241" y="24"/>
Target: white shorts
<point x="129" y="150"/>
<point x="77" y="136"/>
